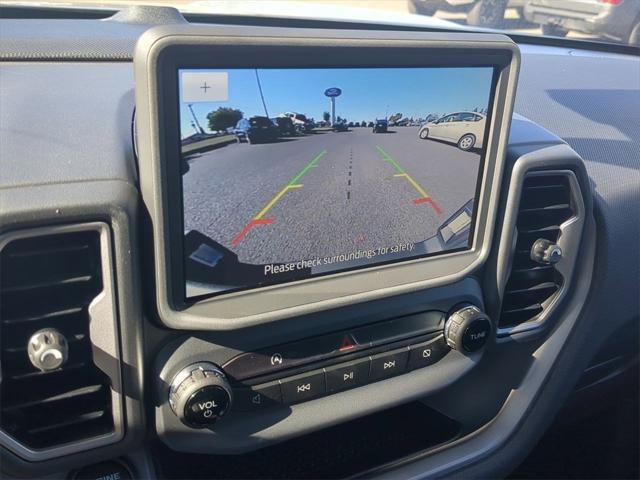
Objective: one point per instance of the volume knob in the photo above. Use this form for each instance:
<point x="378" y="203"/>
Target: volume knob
<point x="467" y="329"/>
<point x="200" y="395"/>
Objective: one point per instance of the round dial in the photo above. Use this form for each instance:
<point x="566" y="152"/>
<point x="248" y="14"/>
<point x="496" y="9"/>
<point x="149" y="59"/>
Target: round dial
<point x="200" y="395"/>
<point x="47" y="349"/>
<point x="467" y="329"/>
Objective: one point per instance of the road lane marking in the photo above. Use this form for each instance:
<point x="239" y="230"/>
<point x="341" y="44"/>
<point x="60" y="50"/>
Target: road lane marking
<point x="293" y="184"/>
<point x="424" y="196"/>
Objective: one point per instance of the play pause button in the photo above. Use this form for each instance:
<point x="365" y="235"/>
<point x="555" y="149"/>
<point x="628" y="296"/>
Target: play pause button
<point x="347" y="375"/>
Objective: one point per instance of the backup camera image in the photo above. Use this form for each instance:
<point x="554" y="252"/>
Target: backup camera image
<point x="292" y="173"/>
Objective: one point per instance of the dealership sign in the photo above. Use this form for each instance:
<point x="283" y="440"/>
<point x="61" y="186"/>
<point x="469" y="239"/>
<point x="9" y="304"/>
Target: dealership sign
<point x="333" y="92"/>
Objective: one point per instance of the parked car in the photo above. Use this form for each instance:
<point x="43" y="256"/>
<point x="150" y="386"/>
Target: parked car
<point x="256" y="130"/>
<point x="370" y="125"/>
<point x="300" y="121"/>
<point x="465" y="129"/>
<point x="285" y="126"/>
<point x="612" y="19"/>
<point x="481" y="13"/>
<point x="381" y="126"/>
<point x="340" y="127"/>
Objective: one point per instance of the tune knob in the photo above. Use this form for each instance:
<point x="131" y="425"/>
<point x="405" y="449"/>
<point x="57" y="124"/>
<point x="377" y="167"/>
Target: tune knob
<point x="467" y="329"/>
<point x="200" y="395"/>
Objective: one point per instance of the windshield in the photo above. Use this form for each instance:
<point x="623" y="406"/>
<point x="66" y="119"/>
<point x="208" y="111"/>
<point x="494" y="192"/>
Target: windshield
<point x="610" y="21"/>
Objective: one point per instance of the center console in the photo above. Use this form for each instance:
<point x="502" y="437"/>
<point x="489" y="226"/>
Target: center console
<point x="341" y="226"/>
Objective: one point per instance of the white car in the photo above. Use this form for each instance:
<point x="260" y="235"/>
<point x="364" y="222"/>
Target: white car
<point x="466" y="129"/>
<point x="300" y="121"/>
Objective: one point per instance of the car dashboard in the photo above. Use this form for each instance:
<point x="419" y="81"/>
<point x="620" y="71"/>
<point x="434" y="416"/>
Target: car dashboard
<point x="378" y="373"/>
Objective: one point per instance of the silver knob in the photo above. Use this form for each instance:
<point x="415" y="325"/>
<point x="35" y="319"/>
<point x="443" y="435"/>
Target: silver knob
<point x="200" y="395"/>
<point x="467" y="329"/>
<point x="545" y="252"/>
<point x="48" y="349"/>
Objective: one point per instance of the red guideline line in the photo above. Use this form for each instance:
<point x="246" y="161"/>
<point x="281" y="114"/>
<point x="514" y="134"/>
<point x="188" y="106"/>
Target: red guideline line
<point x="253" y="223"/>
<point x="431" y="202"/>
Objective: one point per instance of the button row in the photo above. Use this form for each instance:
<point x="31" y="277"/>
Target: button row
<point x="340" y="377"/>
<point x="281" y="357"/>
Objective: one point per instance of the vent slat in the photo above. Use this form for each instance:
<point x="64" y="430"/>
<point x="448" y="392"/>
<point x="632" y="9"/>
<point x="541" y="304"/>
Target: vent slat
<point x="536" y="288"/>
<point x="43" y="316"/>
<point x="76" y="393"/>
<point x="545" y="204"/>
<point x="56" y="250"/>
<point x="70" y="421"/>
<point x="37" y="373"/>
<point x="546" y="208"/>
<point x="48" y="282"/>
<point x="56" y="298"/>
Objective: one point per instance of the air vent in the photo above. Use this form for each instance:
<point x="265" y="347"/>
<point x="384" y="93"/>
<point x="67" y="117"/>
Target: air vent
<point x="545" y="204"/>
<point x="49" y="281"/>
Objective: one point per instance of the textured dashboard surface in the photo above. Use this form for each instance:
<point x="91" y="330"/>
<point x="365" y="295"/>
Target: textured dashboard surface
<point x="65" y="122"/>
<point x="592" y="101"/>
<point x="50" y="39"/>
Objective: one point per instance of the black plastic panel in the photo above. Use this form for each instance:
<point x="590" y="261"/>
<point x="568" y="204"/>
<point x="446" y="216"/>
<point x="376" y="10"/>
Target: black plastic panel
<point x="337" y="452"/>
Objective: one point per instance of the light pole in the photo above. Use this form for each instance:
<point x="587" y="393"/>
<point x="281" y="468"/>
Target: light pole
<point x="195" y="119"/>
<point x="266" y="113"/>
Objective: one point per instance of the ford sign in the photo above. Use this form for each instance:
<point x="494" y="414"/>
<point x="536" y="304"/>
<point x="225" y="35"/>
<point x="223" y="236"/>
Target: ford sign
<point x="333" y="92"/>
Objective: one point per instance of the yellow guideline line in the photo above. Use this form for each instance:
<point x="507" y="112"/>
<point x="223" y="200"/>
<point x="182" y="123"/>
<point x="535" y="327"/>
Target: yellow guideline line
<point x="292" y="184"/>
<point x="273" y="201"/>
<point x="415" y="184"/>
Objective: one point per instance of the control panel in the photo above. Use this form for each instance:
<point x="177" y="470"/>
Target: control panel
<point x="292" y="373"/>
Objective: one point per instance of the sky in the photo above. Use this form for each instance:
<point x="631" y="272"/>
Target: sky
<point x="367" y="93"/>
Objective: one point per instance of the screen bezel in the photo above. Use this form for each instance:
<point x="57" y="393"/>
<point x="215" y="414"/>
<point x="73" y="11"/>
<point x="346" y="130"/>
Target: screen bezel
<point x="162" y="52"/>
<point x="187" y="300"/>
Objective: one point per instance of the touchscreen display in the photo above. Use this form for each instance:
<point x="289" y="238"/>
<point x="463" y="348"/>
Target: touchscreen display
<point x="289" y="174"/>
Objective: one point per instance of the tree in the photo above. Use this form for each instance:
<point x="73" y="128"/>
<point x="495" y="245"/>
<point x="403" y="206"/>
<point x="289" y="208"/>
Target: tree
<point x="223" y="118"/>
<point x="326" y="116"/>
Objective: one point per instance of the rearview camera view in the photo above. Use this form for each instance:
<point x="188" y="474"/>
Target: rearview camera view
<point x="293" y="173"/>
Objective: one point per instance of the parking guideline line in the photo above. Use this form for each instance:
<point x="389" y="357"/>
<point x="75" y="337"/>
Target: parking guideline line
<point x="425" y="197"/>
<point x="293" y="184"/>
<point x="418" y="188"/>
<point x="389" y="159"/>
<point x="273" y="201"/>
<point x="308" y="167"/>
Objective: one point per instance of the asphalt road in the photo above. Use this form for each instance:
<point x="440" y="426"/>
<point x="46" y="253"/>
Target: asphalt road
<point x="326" y="194"/>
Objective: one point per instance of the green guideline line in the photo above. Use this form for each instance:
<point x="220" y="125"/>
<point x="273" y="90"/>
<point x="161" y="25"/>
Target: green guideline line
<point x="388" y="158"/>
<point x="309" y="166"/>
